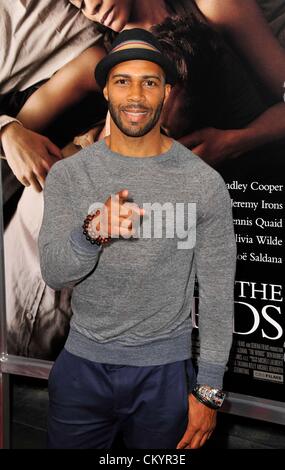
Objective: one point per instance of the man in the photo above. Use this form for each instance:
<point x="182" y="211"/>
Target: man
<point x="126" y="364"/>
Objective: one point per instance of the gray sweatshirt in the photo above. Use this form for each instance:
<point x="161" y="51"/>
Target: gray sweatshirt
<point x="132" y="300"/>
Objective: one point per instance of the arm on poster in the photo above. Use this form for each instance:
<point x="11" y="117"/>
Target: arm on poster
<point x="244" y="24"/>
<point x="216" y="145"/>
<point x="29" y="154"/>
<point x="64" y="259"/>
<point x="215" y="260"/>
<point x="67" y="87"/>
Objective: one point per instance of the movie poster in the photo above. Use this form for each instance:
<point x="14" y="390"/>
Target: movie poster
<point x="225" y="93"/>
<point x="256" y="365"/>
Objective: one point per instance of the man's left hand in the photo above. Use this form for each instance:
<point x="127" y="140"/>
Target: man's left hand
<point x="214" y="145"/>
<point x="201" y="424"/>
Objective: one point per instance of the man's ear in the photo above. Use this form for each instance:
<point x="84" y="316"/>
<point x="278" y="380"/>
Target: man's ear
<point x="105" y="92"/>
<point x="168" y="89"/>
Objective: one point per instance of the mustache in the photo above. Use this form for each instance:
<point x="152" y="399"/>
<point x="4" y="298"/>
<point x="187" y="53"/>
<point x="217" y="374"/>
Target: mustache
<point x="134" y="107"/>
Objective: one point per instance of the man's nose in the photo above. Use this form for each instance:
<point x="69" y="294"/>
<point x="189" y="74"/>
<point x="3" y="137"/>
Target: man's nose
<point x="92" y="7"/>
<point x="136" y="92"/>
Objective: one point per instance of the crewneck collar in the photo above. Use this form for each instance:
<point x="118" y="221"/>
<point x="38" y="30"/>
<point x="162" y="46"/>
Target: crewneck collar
<point x="116" y="158"/>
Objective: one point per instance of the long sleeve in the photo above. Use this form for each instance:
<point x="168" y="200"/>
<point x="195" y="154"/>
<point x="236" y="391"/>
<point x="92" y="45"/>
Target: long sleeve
<point x="66" y="256"/>
<point x="215" y="258"/>
<point x="4" y="121"/>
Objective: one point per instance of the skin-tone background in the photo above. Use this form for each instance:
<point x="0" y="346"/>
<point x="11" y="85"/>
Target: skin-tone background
<point x="30" y="155"/>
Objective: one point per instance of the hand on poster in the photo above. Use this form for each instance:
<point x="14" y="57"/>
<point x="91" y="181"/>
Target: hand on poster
<point x="201" y="423"/>
<point x="29" y="154"/>
<point x="91" y="136"/>
<point x="214" y="145"/>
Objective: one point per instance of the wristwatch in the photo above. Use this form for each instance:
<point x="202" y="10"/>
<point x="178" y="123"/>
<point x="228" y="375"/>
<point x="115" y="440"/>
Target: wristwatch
<point x="209" y="396"/>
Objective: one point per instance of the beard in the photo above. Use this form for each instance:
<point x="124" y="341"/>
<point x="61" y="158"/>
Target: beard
<point x="135" y="129"/>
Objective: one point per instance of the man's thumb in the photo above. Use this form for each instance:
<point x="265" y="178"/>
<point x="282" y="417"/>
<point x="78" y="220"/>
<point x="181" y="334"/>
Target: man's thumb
<point x="123" y="194"/>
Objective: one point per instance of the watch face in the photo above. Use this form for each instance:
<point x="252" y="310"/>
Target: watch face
<point x="217" y="395"/>
<point x="211" y="396"/>
<point x="219" y="398"/>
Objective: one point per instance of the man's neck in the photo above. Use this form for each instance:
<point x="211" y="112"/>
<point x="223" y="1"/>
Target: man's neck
<point x="154" y="143"/>
<point x="145" y="17"/>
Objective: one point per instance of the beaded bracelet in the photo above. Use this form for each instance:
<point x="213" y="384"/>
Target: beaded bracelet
<point x="97" y="239"/>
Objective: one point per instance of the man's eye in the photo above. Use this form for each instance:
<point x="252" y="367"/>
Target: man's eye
<point x="150" y="83"/>
<point x="121" y="81"/>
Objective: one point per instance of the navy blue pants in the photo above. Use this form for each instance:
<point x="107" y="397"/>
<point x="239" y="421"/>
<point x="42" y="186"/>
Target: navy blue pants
<point x="91" y="402"/>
